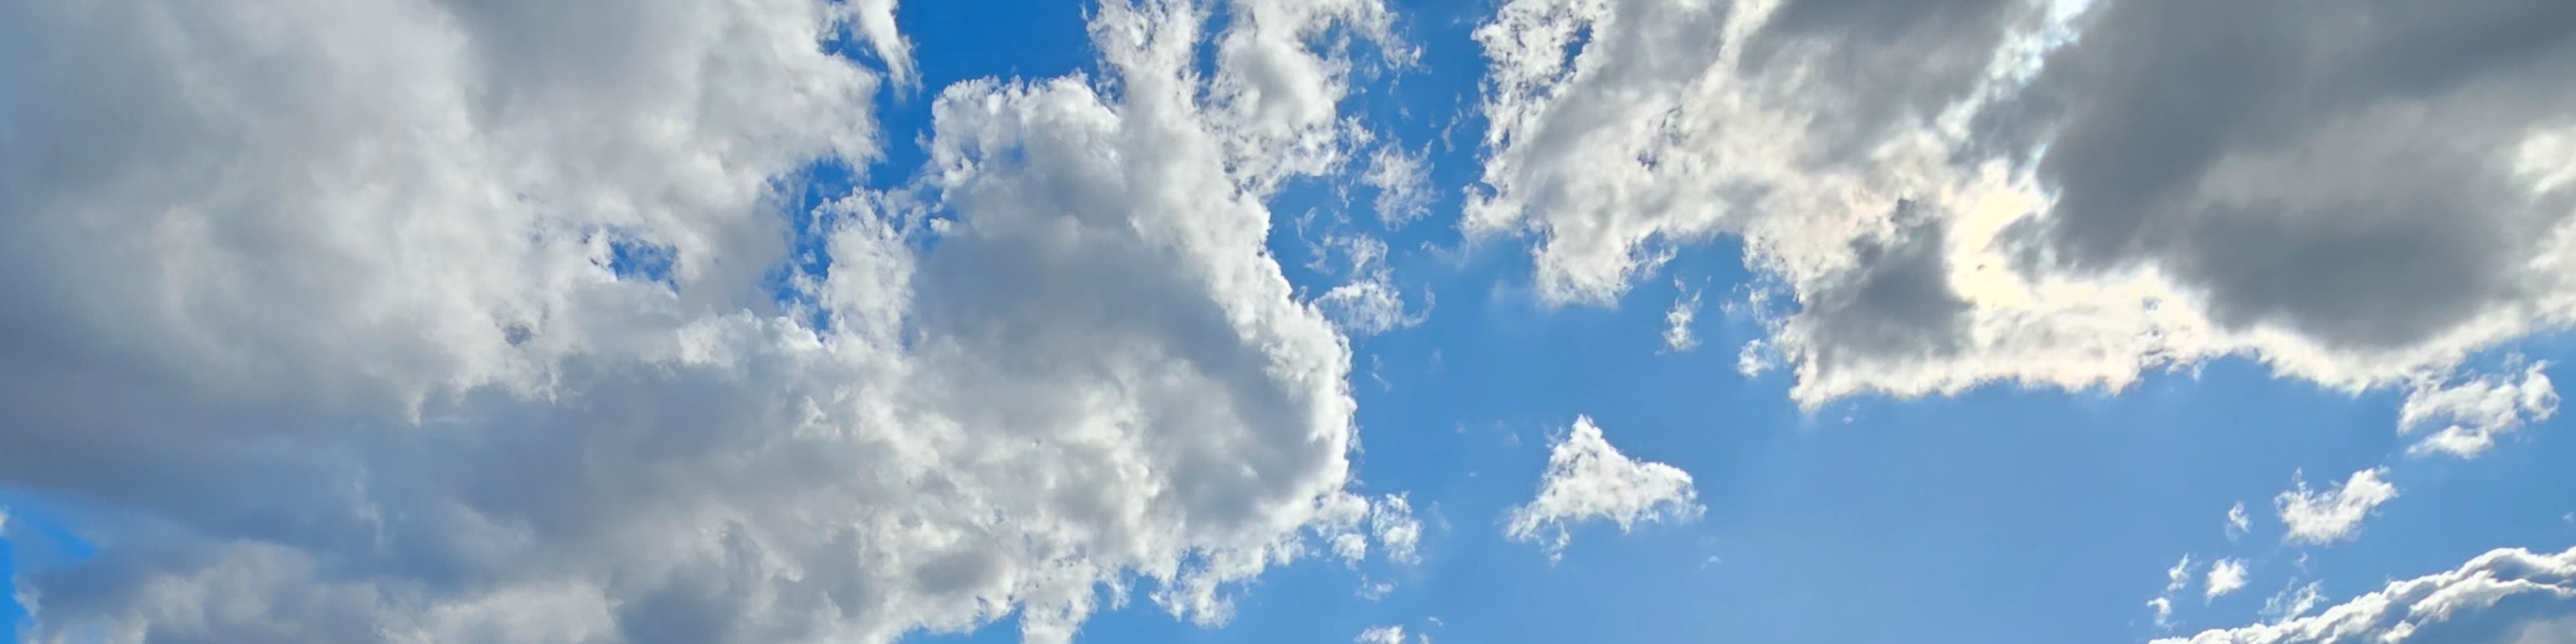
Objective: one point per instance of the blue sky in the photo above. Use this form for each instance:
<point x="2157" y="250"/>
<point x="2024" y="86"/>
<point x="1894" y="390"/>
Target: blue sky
<point x="1986" y="487"/>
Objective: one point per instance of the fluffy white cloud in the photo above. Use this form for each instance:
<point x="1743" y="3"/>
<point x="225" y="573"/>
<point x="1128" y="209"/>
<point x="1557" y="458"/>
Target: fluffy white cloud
<point x="1588" y="480"/>
<point x="331" y="309"/>
<point x="2508" y="596"/>
<point x="1957" y="192"/>
<point x="2471" y="412"/>
<point x="2225" y="576"/>
<point x="2325" y="517"/>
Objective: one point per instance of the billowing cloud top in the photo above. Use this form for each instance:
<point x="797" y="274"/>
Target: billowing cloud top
<point x="2050" y="192"/>
<point x="463" y="321"/>
<point x="531" y="321"/>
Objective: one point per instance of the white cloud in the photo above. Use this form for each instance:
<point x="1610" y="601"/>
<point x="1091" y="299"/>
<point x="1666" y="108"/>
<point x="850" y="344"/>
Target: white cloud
<point x="2225" y="576"/>
<point x="1589" y="480"/>
<point x="2294" y="601"/>
<point x="2502" y="596"/>
<point x="1388" y="635"/>
<point x="1677" y="321"/>
<point x="2238" y="521"/>
<point x="359" y="258"/>
<point x="2472" y="412"/>
<point x="1403" y="185"/>
<point x="2163" y="607"/>
<point x="1370" y="303"/>
<point x="1391" y="521"/>
<point x="2321" y="518"/>
<point x="2179" y="576"/>
<point x="1968" y="197"/>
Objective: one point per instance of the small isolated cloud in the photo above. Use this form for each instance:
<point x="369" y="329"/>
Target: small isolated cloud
<point x="2225" y="576"/>
<point x="1677" y="321"/>
<point x="2471" y="412"/>
<point x="2238" y="521"/>
<point x="2321" y="518"/>
<point x="1403" y="184"/>
<point x="2508" y="596"/>
<point x="1391" y="519"/>
<point x="1369" y="304"/>
<point x="2164" y="611"/>
<point x="2179" y="575"/>
<point x="1587" y="480"/>
<point x="1388" y="635"/>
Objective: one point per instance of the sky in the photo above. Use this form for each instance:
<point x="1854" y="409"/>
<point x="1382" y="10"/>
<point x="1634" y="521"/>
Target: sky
<point x="1274" y="321"/>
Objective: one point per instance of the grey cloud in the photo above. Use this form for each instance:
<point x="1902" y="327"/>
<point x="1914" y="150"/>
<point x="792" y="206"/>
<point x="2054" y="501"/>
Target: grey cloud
<point x="2356" y="193"/>
<point x="311" y="317"/>
<point x="2325" y="166"/>
<point x="1895" y="300"/>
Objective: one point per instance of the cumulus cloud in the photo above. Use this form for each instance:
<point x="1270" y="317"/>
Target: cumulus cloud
<point x="2225" y="576"/>
<point x="2509" y="596"/>
<point x="1588" y="480"/>
<point x="2328" y="516"/>
<point x="1958" y="192"/>
<point x="335" y="312"/>
<point x="2471" y="412"/>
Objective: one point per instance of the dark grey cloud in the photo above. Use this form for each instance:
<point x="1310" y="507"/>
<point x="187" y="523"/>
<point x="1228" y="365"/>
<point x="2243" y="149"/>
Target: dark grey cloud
<point x="2353" y="192"/>
<point x="2328" y="167"/>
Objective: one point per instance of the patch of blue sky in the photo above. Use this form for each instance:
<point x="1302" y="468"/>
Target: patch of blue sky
<point x="1999" y="515"/>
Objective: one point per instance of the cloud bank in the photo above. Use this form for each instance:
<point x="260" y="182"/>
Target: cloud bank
<point x="463" y="321"/>
<point x="2048" y="192"/>
<point x="2508" y="596"/>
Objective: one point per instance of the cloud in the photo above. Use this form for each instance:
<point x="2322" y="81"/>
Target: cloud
<point x="1961" y="192"/>
<point x="1388" y="635"/>
<point x="2163" y="607"/>
<point x="1403" y="184"/>
<point x="2509" y="596"/>
<point x="1370" y="303"/>
<point x="1677" y="321"/>
<point x="2473" y="411"/>
<point x="2238" y="521"/>
<point x="2225" y="576"/>
<point x="2179" y="576"/>
<point x="1588" y="480"/>
<point x="328" y="310"/>
<point x="2323" y="518"/>
<point x="2294" y="601"/>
